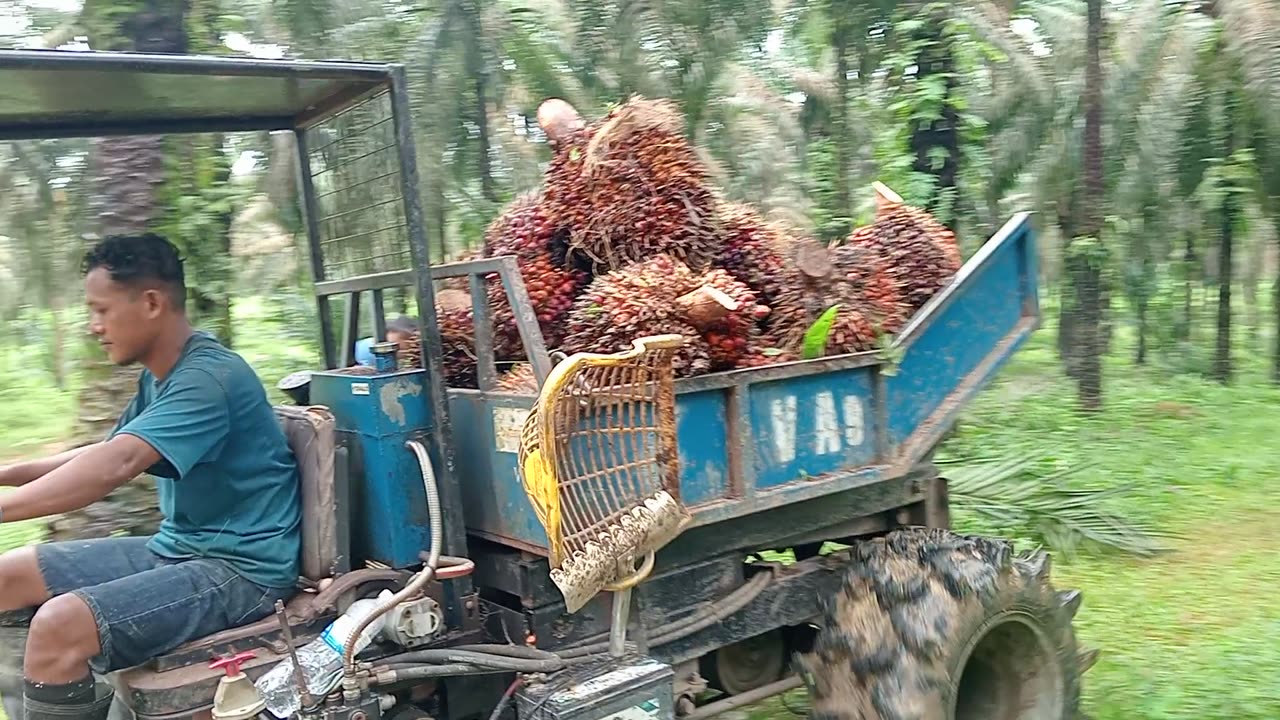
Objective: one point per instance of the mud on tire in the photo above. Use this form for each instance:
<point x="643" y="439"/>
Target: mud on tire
<point x="931" y="625"/>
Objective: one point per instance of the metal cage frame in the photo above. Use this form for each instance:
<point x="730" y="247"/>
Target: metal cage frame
<point x="66" y="94"/>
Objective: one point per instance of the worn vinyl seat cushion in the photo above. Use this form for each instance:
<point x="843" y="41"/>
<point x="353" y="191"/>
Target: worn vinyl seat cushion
<point x="310" y="433"/>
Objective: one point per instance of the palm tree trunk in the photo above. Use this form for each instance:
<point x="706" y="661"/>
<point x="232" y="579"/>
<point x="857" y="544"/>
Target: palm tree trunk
<point x="1275" y="299"/>
<point x="1222" y="354"/>
<point x="841" y="41"/>
<point x="936" y="142"/>
<point x="1249" y="284"/>
<point x="477" y="69"/>
<point x="1086" y="273"/>
<point x="127" y="173"/>
<point x="1188" y="261"/>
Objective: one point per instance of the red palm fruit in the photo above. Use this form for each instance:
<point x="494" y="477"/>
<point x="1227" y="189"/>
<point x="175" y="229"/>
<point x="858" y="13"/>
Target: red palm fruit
<point x="755" y="252"/>
<point x="526" y="231"/>
<point x="922" y="252"/>
<point x="631" y="186"/>
<point x="621" y="306"/>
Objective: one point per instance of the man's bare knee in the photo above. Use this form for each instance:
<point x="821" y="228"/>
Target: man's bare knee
<point x="21" y="584"/>
<point x="63" y="636"/>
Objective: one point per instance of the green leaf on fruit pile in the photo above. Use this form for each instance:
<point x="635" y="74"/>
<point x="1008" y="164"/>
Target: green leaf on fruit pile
<point x="815" y="338"/>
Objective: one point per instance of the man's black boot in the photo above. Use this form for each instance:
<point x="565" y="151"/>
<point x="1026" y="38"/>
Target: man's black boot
<point x="84" y="699"/>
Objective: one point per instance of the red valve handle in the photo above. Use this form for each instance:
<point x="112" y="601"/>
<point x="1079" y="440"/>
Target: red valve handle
<point x="232" y="664"/>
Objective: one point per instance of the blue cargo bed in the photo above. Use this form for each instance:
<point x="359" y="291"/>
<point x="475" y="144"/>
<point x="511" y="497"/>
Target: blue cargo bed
<point x="755" y="439"/>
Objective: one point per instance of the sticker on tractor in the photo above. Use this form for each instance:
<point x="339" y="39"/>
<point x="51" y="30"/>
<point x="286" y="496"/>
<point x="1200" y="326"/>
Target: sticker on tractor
<point x="507" y="425"/>
<point x="359" y="388"/>
<point x="647" y="710"/>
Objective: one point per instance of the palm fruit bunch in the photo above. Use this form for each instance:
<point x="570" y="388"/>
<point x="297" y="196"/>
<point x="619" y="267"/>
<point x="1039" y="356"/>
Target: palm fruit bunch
<point x="871" y="283"/>
<point x="637" y="300"/>
<point x="754" y="251"/>
<point x="717" y="314"/>
<point x="458" y="346"/>
<point x="526" y="231"/>
<point x="730" y="321"/>
<point x="564" y="192"/>
<point x="922" y="253"/>
<point x="630" y="186"/>
<point x="866" y="291"/>
<point x="457" y="337"/>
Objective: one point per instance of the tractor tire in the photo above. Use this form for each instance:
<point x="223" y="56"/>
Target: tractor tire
<point x="931" y="625"/>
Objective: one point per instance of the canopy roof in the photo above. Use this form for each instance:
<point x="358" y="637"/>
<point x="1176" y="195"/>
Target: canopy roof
<point x="60" y="93"/>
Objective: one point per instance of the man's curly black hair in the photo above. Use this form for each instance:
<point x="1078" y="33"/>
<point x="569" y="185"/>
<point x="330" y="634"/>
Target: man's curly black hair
<point x="140" y="261"/>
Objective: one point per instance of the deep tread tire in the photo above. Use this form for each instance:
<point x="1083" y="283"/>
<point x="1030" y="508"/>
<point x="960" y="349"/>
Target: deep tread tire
<point x="932" y="625"/>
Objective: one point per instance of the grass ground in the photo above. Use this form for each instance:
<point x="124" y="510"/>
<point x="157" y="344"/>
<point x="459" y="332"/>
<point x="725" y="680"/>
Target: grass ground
<point x="1192" y="634"/>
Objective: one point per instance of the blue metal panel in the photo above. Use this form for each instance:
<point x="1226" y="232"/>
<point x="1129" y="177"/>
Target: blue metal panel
<point x="493" y="496"/>
<point x="378" y="414"/>
<point x="753" y="440"/>
<point x="701" y="424"/>
<point x="960" y="339"/>
<point x="809" y="426"/>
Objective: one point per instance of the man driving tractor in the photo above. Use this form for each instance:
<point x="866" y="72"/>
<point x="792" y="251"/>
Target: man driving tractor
<point x="201" y="423"/>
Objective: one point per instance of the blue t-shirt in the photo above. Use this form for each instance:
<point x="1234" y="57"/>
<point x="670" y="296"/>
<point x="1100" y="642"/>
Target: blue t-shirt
<point x="227" y="480"/>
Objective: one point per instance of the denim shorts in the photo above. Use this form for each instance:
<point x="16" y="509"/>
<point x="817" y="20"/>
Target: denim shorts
<point x="146" y="605"/>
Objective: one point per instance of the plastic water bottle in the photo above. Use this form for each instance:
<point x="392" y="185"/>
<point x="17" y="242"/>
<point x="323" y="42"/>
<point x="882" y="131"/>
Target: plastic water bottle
<point x="321" y="659"/>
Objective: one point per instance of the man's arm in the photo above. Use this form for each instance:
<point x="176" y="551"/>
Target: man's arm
<point x="21" y="473"/>
<point x="81" y="480"/>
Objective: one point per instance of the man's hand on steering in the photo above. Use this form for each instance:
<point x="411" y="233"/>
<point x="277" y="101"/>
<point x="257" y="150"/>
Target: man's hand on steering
<point x="85" y="477"/>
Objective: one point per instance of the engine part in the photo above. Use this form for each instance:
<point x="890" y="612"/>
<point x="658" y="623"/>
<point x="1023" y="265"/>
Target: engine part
<point x="415" y="622"/>
<point x="368" y="707"/>
<point x="747" y="665"/>
<point x="428" y="571"/>
<point x="236" y="698"/>
<point x="634" y="688"/>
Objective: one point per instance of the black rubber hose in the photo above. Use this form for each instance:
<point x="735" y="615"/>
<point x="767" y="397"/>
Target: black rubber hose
<point x="454" y="656"/>
<point x="516" y="651"/>
<point x="730" y="604"/>
<point x="427" y="672"/>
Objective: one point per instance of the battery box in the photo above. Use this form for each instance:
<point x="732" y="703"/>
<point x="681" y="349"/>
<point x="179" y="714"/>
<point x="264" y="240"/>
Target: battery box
<point x="630" y="688"/>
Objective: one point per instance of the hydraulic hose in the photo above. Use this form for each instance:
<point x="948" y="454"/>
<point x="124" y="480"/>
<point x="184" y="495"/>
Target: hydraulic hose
<point x="426" y="672"/>
<point x="727" y="606"/>
<point x="515" y="651"/>
<point x="500" y="662"/>
<point x="422" y="578"/>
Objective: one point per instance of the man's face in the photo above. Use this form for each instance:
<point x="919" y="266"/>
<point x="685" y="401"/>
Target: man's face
<point x="124" y="319"/>
<point x="396" y="336"/>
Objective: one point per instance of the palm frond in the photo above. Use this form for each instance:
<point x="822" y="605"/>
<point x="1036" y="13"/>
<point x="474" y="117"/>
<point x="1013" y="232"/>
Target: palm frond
<point x="1019" y="496"/>
<point x="1253" y="34"/>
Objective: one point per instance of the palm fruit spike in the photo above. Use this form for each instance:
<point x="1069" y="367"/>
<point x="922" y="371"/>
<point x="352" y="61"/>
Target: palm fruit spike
<point x="458" y="345"/>
<point x="754" y="251"/>
<point x="731" y="326"/>
<point x="638" y="300"/>
<point x="634" y="189"/>
<point x="524" y="230"/>
<point x="922" y="252"/>
<point x="872" y="285"/>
